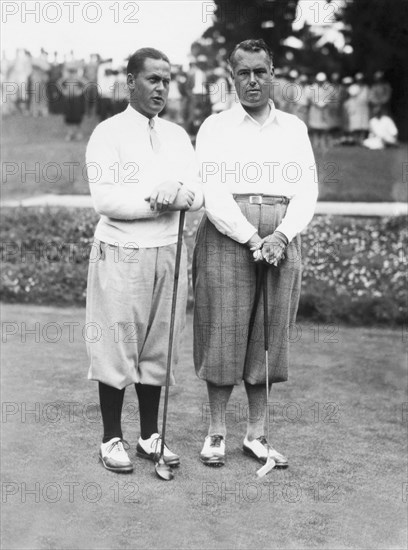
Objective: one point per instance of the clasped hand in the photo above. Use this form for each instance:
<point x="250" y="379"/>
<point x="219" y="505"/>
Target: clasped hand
<point x="170" y="195"/>
<point x="270" y="249"/>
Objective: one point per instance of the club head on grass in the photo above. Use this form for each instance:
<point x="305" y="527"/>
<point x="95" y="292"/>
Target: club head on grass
<point x="266" y="468"/>
<point x="163" y="471"/>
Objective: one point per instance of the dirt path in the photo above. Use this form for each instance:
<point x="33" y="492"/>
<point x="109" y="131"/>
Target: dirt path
<point x="340" y="419"/>
<point x="368" y="209"/>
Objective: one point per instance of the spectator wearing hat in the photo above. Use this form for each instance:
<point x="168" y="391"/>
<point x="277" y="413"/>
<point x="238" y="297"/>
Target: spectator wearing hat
<point x="291" y="92"/>
<point x="19" y="74"/>
<point x="174" y="107"/>
<point x="357" y="109"/>
<point x="279" y="88"/>
<point x="91" y="76"/>
<point x="380" y="94"/>
<point x="55" y="98"/>
<point x="334" y="107"/>
<point x="106" y="83"/>
<point x="72" y="85"/>
<point x="302" y="103"/>
<point x="120" y="95"/>
<point x="346" y="138"/>
<point x="6" y="102"/>
<point x="219" y="90"/>
<point x="199" y="105"/>
<point x="38" y="85"/>
<point x="318" y="112"/>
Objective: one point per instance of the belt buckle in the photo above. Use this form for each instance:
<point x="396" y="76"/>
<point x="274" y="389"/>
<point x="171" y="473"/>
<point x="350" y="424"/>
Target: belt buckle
<point x="255" y="199"/>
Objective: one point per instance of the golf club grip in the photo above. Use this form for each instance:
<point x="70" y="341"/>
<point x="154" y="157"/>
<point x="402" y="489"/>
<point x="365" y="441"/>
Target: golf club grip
<point x="172" y="319"/>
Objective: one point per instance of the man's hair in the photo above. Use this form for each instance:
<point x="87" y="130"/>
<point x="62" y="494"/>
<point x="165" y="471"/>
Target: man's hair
<point x="136" y="60"/>
<point x="250" y="46"/>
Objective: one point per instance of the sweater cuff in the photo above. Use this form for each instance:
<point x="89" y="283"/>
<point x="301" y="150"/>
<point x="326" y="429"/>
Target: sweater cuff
<point x="243" y="236"/>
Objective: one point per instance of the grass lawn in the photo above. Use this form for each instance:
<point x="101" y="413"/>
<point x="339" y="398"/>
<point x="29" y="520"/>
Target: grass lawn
<point x="340" y="419"/>
<point x="56" y="166"/>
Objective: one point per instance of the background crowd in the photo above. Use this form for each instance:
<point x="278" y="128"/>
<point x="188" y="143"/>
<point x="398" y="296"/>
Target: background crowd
<point x="338" y="109"/>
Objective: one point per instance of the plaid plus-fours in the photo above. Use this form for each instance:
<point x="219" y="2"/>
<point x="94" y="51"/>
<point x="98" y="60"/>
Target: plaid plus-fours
<point x="227" y="303"/>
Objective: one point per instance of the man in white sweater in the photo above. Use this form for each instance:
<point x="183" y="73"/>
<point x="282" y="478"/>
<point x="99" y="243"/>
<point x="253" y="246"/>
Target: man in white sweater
<point x="141" y="171"/>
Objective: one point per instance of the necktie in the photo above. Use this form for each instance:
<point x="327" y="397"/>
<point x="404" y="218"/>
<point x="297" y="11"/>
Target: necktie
<point x="154" y="137"/>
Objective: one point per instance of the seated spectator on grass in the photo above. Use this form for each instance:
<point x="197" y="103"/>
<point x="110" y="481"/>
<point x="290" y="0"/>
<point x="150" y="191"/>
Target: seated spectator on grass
<point x="383" y="131"/>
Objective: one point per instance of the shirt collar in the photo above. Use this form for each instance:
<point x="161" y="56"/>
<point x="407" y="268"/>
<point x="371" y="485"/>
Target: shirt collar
<point x="240" y="114"/>
<point x="138" y="118"/>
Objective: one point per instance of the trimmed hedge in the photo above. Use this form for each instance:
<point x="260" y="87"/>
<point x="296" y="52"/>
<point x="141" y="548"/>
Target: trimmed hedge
<point x="354" y="269"/>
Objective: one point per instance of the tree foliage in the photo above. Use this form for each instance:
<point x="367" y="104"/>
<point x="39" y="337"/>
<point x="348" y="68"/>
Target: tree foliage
<point x="238" y="20"/>
<point x="379" y="32"/>
<point x="379" y="37"/>
<point x="376" y="29"/>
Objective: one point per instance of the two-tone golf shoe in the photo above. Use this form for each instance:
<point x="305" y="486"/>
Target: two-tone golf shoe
<point x="260" y="450"/>
<point x="213" y="451"/>
<point x="114" y="457"/>
<point x="150" y="449"/>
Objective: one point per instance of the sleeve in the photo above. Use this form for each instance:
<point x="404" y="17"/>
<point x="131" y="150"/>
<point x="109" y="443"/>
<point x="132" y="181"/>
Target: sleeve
<point x="302" y="206"/>
<point x="190" y="176"/>
<point x="220" y="205"/>
<point x="110" y="196"/>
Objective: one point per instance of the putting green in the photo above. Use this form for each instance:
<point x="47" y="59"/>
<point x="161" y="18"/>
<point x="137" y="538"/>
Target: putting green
<point x="341" y="420"/>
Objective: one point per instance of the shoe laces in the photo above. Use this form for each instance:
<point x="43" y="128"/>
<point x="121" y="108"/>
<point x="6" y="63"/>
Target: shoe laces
<point x="156" y="444"/>
<point x="263" y="441"/>
<point x="118" y="446"/>
<point x="216" y="440"/>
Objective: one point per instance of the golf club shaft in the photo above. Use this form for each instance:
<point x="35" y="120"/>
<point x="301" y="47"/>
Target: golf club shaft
<point x="172" y="320"/>
<point x="266" y="344"/>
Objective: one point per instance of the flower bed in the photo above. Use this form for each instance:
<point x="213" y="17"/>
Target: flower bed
<point x="354" y="269"/>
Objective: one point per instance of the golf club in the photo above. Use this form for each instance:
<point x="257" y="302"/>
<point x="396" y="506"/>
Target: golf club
<point x="163" y="470"/>
<point x="270" y="463"/>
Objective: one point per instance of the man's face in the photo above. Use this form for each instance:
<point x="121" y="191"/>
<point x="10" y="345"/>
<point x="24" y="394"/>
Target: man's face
<point x="252" y="73"/>
<point x="150" y="88"/>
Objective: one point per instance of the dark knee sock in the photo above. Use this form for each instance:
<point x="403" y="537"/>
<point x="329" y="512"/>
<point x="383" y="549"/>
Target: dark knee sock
<point x="111" y="400"/>
<point x="149" y="399"/>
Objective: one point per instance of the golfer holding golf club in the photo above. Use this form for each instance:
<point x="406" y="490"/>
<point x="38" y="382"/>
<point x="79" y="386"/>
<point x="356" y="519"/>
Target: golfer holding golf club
<point x="260" y="189"/>
<point x="142" y="171"/>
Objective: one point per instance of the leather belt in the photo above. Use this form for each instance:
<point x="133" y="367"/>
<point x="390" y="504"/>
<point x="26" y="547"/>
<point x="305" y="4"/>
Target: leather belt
<point x="261" y="199"/>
